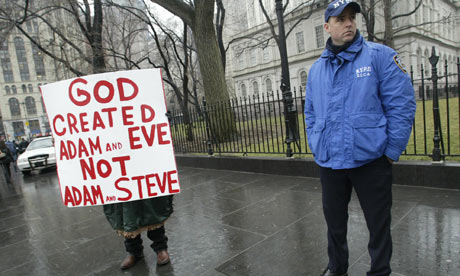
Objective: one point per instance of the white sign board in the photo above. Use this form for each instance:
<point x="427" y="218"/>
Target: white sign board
<point x="112" y="137"/>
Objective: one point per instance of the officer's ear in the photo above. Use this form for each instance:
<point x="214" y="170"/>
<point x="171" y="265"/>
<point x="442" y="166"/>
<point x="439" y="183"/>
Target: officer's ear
<point x="326" y="26"/>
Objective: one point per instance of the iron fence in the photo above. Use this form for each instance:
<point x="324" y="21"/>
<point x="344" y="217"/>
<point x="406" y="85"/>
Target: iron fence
<point x="258" y="124"/>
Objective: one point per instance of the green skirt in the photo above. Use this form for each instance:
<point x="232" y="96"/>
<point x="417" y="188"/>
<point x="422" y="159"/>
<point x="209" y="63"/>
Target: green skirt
<point x="131" y="218"/>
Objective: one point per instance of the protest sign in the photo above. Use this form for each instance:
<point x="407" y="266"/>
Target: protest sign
<point x="112" y="137"/>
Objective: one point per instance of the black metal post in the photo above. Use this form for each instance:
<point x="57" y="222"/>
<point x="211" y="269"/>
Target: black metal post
<point x="436" y="157"/>
<point x="290" y="110"/>
<point x="208" y="131"/>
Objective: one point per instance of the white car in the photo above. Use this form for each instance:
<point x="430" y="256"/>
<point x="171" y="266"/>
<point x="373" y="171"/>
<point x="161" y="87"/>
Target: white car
<point x="38" y="155"/>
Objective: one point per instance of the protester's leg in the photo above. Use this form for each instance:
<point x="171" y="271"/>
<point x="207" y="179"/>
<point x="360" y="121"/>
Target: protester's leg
<point x="159" y="245"/>
<point x="135" y="249"/>
<point x="372" y="183"/>
<point x="336" y="196"/>
<point x="134" y="246"/>
<point x="159" y="239"/>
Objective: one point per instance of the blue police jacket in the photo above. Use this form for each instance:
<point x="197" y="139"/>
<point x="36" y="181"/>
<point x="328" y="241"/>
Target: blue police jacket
<point x="359" y="106"/>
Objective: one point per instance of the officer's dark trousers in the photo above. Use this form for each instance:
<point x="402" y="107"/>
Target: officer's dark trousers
<point x="372" y="183"/>
<point x="157" y="236"/>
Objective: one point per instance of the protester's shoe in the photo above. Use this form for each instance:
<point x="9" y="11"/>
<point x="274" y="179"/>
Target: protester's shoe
<point x="328" y="272"/>
<point x="130" y="261"/>
<point x="163" y="257"/>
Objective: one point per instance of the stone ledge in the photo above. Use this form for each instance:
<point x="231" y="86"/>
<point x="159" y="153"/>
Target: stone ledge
<point x="411" y="173"/>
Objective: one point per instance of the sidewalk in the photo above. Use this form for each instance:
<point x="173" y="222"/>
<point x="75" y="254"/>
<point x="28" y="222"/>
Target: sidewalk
<point x="225" y="223"/>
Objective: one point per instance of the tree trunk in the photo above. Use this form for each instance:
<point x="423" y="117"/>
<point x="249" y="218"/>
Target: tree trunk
<point x="96" y="45"/>
<point x="212" y="70"/>
<point x="389" y="39"/>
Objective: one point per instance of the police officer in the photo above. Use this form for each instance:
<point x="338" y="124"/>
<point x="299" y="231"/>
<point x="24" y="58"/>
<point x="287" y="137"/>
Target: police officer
<point x="359" y="110"/>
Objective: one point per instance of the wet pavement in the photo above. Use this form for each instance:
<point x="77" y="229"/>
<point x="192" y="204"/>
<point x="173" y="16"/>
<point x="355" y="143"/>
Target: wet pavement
<point x="225" y="223"/>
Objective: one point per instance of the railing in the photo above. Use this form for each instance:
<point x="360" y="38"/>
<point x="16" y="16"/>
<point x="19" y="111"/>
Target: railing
<point x="260" y="127"/>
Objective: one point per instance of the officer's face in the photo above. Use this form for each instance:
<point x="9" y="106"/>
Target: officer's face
<point x="342" y="28"/>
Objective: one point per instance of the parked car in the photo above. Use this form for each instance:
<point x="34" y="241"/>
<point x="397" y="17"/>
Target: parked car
<point x="38" y="155"/>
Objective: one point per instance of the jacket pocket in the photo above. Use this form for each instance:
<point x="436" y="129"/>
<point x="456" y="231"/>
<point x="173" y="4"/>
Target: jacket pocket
<point x="317" y="141"/>
<point x="369" y="136"/>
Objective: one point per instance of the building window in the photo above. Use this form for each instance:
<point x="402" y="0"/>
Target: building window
<point x="7" y="90"/>
<point x="38" y="60"/>
<point x="243" y="90"/>
<point x="6" y="63"/>
<point x="266" y="54"/>
<point x="303" y="80"/>
<point x="18" y="128"/>
<point x="241" y="61"/>
<point x="319" y="36"/>
<point x="34" y="127"/>
<point x="300" y="42"/>
<point x="30" y="106"/>
<point x="255" y="88"/>
<point x="24" y="88"/>
<point x="30" y="88"/>
<point x="22" y="58"/>
<point x="43" y="105"/>
<point x="29" y="26"/>
<point x="253" y="57"/>
<point x="14" y="107"/>
<point x="13" y="89"/>
<point x="269" y="87"/>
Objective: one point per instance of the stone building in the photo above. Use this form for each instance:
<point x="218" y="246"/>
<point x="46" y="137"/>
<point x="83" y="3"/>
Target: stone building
<point x="254" y="67"/>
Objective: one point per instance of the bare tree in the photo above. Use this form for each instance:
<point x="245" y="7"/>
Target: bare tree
<point x="60" y="42"/>
<point x="173" y="54"/>
<point x="199" y="15"/>
<point x="368" y="10"/>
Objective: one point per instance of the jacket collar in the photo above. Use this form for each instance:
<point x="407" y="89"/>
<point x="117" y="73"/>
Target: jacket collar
<point x="347" y="54"/>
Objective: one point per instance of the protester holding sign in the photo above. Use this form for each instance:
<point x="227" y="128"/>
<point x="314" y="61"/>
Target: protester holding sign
<point x="113" y="148"/>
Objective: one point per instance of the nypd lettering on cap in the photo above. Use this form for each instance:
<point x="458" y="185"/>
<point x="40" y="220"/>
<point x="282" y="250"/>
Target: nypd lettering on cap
<point x="340" y="2"/>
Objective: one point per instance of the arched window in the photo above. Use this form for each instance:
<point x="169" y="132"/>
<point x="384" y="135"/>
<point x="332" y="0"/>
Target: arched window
<point x="43" y="105"/>
<point x="419" y="61"/>
<point x="303" y="80"/>
<point x="255" y="88"/>
<point x="269" y="87"/>
<point x="14" y="107"/>
<point x="6" y="62"/>
<point x="13" y="89"/>
<point x="24" y="88"/>
<point x="30" y="88"/>
<point x="22" y="58"/>
<point x="243" y="90"/>
<point x="7" y="90"/>
<point x="38" y="60"/>
<point x="30" y="106"/>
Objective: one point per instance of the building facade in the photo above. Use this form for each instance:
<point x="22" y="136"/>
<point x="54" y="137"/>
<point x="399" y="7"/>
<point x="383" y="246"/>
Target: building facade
<point x="254" y="64"/>
<point x="24" y="69"/>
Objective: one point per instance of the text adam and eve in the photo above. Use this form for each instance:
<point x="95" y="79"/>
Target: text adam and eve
<point x="141" y="135"/>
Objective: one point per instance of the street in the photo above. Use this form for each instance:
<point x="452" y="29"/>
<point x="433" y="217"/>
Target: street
<point x="225" y="223"/>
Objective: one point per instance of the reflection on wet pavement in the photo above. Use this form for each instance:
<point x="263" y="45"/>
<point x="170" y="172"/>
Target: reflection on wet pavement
<point x="225" y="223"/>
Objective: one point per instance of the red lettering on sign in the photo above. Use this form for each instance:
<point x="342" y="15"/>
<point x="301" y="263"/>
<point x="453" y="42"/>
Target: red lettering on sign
<point x="127" y="116"/>
<point x="117" y="186"/>
<point x="147" y="117"/>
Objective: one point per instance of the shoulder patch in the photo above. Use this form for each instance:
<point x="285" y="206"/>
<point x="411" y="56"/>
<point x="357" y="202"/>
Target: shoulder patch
<point x="400" y="64"/>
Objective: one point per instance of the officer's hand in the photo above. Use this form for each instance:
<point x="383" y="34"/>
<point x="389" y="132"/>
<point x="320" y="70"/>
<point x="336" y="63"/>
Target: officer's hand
<point x="389" y="160"/>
